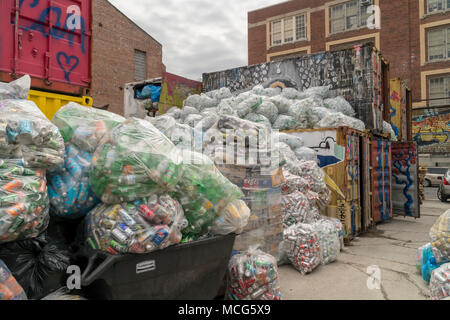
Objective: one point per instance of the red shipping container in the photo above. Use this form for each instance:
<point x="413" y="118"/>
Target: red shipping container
<point x="49" y="40"/>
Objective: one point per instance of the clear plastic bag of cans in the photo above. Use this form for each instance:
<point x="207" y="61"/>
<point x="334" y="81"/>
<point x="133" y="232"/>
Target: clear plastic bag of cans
<point x="302" y="246"/>
<point x="69" y="188"/>
<point x="440" y="283"/>
<point x="440" y="238"/>
<point x="310" y="171"/>
<point x="26" y="134"/>
<point x="329" y="240"/>
<point x="10" y="289"/>
<point x="203" y="192"/>
<point x="24" y="203"/>
<point x="339" y="229"/>
<point x="137" y="227"/>
<point x="253" y="275"/>
<point x="85" y="127"/>
<point x="293" y="183"/>
<point x="134" y="160"/>
<point x="17" y="89"/>
<point x="232" y="219"/>
<point x="297" y="209"/>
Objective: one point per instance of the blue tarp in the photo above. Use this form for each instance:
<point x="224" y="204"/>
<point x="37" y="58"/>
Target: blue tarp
<point x="149" y="91"/>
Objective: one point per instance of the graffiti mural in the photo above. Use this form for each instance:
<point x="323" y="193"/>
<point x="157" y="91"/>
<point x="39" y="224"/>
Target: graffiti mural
<point x="405" y="191"/>
<point x="175" y="89"/>
<point x="381" y="180"/>
<point x="352" y="73"/>
<point x="52" y="42"/>
<point x="431" y="131"/>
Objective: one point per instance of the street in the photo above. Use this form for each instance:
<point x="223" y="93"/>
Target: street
<point x="391" y="247"/>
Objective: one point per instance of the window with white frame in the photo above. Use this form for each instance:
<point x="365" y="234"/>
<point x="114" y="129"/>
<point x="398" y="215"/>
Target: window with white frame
<point x="439" y="44"/>
<point x="288" y="30"/>
<point x="437" y="5"/>
<point x="349" y="15"/>
<point x="439" y="89"/>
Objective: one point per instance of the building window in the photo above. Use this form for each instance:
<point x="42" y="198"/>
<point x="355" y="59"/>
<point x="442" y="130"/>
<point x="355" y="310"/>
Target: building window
<point x="140" y="65"/>
<point x="439" y="44"/>
<point x="350" y="15"/>
<point x="288" y="30"/>
<point x="439" y="89"/>
<point x="437" y="5"/>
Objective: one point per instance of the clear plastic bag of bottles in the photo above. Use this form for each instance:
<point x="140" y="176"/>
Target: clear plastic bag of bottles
<point x="10" y="289"/>
<point x="134" y="160"/>
<point x="24" y="203"/>
<point x="440" y="283"/>
<point x="426" y="261"/>
<point x="285" y="122"/>
<point x="85" y="127"/>
<point x="258" y="118"/>
<point x="338" y="119"/>
<point x="137" y="227"/>
<point x="203" y="192"/>
<point x="440" y="238"/>
<point x="174" y="112"/>
<point x="268" y="110"/>
<point x="339" y="229"/>
<point x="17" y="89"/>
<point x="302" y="246"/>
<point x="283" y="104"/>
<point x="253" y="275"/>
<point x="306" y="154"/>
<point x="25" y="133"/>
<point x="232" y="219"/>
<point x="339" y="104"/>
<point x="69" y="189"/>
<point x="329" y="240"/>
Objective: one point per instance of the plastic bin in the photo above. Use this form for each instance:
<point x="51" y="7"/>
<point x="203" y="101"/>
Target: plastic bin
<point x="192" y="271"/>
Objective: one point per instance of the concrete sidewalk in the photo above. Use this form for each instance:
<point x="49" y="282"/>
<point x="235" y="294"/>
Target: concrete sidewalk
<point x="392" y="247"/>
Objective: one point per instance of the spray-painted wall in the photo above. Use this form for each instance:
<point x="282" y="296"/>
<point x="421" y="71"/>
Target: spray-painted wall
<point x="405" y="179"/>
<point x="399" y="103"/>
<point x="338" y="151"/>
<point x="431" y="131"/>
<point x="381" y="179"/>
<point x="354" y="73"/>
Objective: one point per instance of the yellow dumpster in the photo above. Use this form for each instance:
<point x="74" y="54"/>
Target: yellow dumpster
<point x="50" y="103"/>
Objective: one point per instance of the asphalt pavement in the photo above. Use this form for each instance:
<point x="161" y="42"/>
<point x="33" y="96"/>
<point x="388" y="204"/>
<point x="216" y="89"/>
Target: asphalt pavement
<point x="387" y="253"/>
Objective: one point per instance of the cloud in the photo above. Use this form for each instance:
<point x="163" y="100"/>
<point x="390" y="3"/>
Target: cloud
<point x="198" y="35"/>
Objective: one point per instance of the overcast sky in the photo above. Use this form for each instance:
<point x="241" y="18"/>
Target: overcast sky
<point x="197" y="35"/>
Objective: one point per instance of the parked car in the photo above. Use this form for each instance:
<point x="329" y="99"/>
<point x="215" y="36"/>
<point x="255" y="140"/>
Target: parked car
<point x="444" y="188"/>
<point x="434" y="177"/>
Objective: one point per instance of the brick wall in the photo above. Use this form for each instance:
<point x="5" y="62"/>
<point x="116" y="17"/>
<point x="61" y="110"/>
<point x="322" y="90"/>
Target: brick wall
<point x="115" y="38"/>
<point x="399" y="36"/>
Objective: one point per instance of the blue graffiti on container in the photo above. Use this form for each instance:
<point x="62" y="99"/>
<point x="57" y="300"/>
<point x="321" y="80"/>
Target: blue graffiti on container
<point x="398" y="165"/>
<point x="393" y="114"/>
<point x="55" y="32"/>
<point x="68" y="60"/>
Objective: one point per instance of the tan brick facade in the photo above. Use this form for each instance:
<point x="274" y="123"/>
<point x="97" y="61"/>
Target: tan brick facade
<point x="402" y="38"/>
<point x="115" y="37"/>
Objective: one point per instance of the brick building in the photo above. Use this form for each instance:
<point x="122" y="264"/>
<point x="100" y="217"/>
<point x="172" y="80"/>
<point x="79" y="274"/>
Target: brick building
<point x="121" y="53"/>
<point x="414" y="37"/>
